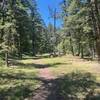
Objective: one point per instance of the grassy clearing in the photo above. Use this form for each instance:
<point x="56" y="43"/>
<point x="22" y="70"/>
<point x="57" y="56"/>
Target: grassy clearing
<point x="61" y="65"/>
<point x="67" y="64"/>
<point x="77" y="77"/>
<point x="17" y="83"/>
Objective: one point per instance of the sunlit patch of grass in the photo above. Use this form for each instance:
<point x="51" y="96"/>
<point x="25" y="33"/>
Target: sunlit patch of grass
<point x="61" y="65"/>
<point x="66" y="64"/>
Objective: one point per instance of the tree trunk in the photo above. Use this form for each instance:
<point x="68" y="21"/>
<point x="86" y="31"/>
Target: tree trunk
<point x="71" y="45"/>
<point x="96" y="14"/>
<point x="6" y="59"/>
<point x="19" y="48"/>
<point x="96" y="23"/>
<point x="93" y="50"/>
<point x="79" y="46"/>
<point x="82" y="53"/>
<point x="33" y="46"/>
<point x="98" y="48"/>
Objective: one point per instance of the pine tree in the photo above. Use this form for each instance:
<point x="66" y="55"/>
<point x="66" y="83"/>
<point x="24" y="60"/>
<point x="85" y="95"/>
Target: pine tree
<point x="8" y="29"/>
<point x="77" y="26"/>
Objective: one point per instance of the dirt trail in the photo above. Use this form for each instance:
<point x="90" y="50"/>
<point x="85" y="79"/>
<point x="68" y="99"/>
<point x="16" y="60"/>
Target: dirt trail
<point x="46" y="74"/>
<point x="48" y="90"/>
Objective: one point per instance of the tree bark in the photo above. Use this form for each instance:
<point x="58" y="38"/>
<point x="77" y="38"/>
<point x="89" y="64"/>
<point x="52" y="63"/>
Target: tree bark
<point x="94" y="6"/>
<point x="19" y="48"/>
<point x="82" y="53"/>
<point x="33" y="46"/>
<point x="6" y="59"/>
<point x="71" y="45"/>
<point x="96" y="14"/>
<point x="79" y="46"/>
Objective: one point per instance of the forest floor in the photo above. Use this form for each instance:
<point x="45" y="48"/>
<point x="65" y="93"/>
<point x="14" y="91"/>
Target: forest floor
<point x="37" y="78"/>
<point x="51" y="70"/>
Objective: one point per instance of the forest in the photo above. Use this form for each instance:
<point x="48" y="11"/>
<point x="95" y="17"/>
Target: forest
<point x="40" y="61"/>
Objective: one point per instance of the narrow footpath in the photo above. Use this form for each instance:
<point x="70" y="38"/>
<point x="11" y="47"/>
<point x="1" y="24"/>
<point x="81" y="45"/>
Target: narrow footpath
<point x="48" y="90"/>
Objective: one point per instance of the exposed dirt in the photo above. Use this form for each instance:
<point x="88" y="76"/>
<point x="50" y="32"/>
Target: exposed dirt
<point x="48" y="89"/>
<point x="46" y="74"/>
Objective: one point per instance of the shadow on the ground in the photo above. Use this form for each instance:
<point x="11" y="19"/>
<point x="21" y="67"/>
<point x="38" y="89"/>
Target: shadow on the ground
<point x="16" y="87"/>
<point x="79" y="86"/>
<point x="73" y="86"/>
<point x="37" y="57"/>
<point x="34" y="65"/>
<point x="15" y="93"/>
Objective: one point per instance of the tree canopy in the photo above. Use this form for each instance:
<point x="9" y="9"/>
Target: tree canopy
<point x="23" y="31"/>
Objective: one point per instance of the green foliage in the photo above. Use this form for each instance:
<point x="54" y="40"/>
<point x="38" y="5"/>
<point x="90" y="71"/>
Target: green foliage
<point x="78" y="27"/>
<point x="64" y="46"/>
<point x="22" y="29"/>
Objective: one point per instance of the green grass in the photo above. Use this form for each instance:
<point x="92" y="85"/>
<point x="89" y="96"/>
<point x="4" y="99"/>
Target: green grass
<point x="77" y="76"/>
<point x="79" y="85"/>
<point x="67" y="64"/>
<point x="19" y="81"/>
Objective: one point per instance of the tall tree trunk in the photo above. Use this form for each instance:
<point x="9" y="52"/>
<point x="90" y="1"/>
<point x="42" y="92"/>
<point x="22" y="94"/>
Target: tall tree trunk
<point x="93" y="50"/>
<point x="94" y="4"/>
<point x="96" y="14"/>
<point x="82" y="53"/>
<point x="33" y="46"/>
<point x="79" y="47"/>
<point x="6" y="59"/>
<point x="19" y="47"/>
<point x="71" y="45"/>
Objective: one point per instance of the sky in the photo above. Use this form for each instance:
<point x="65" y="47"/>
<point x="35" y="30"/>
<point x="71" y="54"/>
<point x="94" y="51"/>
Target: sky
<point x="44" y="11"/>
